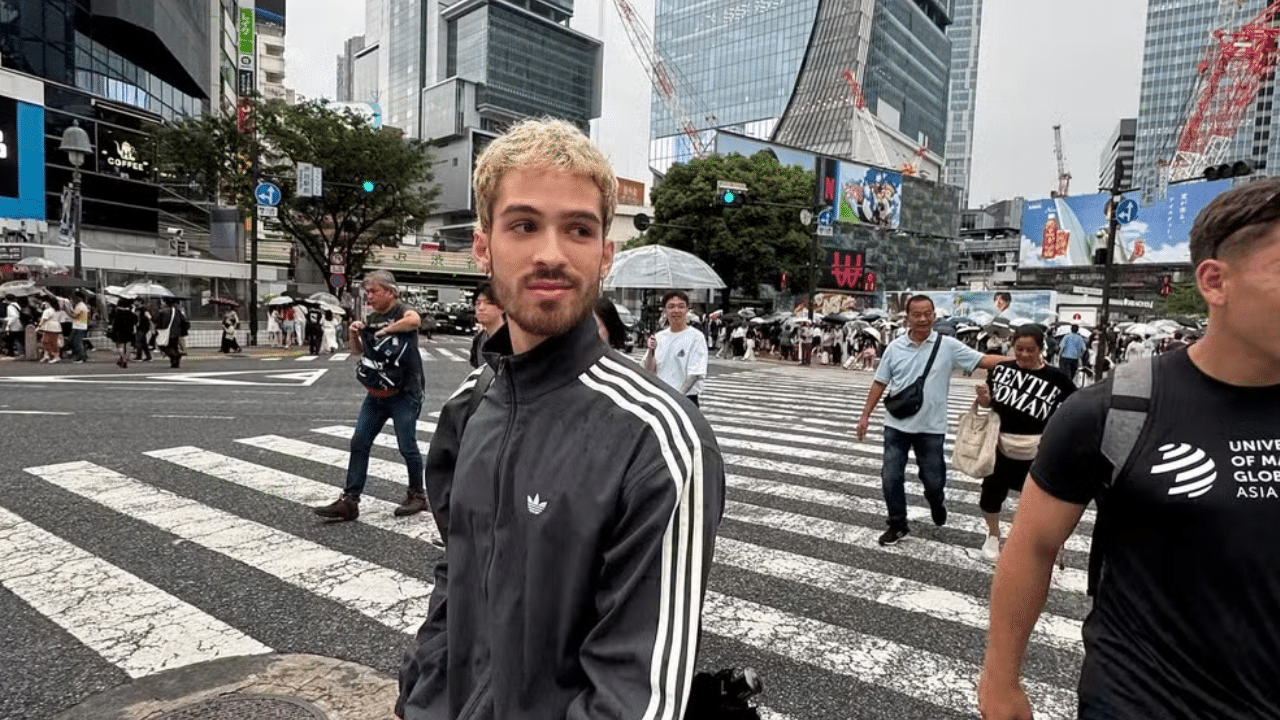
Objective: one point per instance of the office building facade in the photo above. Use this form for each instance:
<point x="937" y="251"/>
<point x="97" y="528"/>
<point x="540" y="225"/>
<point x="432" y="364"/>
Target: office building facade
<point x="774" y="70"/>
<point x="964" y="33"/>
<point x="1177" y="35"/>
<point x="1118" y="148"/>
<point x="346" y="62"/>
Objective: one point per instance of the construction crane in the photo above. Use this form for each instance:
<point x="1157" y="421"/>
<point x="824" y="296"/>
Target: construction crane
<point x="662" y="75"/>
<point x="1234" y="66"/>
<point x="1064" y="175"/>
<point x="912" y="166"/>
<point x="864" y="120"/>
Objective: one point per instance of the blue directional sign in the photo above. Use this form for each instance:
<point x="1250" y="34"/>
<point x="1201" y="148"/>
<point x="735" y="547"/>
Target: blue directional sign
<point x="1127" y="211"/>
<point x="267" y="194"/>
<point x="827" y="217"/>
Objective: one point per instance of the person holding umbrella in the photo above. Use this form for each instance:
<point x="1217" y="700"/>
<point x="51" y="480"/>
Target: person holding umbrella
<point x="230" y="323"/>
<point x="171" y="327"/>
<point x="124" y="323"/>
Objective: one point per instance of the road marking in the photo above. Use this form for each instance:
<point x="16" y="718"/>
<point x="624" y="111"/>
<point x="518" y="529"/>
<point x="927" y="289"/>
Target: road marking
<point x="339" y="357"/>
<point x="450" y="355"/>
<point x="383" y="469"/>
<point x="197" y="417"/>
<point x="884" y="589"/>
<point x="305" y="358"/>
<point x="132" y="624"/>
<point x="389" y="597"/>
<point x="293" y="488"/>
<point x="426" y="356"/>
<point x="913" y="672"/>
<point x="234" y="377"/>
<point x="32" y="412"/>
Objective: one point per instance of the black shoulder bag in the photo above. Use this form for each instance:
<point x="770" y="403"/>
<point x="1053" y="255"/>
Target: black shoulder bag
<point x="907" y="402"/>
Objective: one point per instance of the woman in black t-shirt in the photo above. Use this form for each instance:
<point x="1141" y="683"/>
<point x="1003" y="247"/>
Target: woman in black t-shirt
<point x="1024" y="392"/>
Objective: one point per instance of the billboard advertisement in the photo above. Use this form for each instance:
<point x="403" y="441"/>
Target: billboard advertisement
<point x="868" y="195"/>
<point x="982" y="306"/>
<point x="21" y="160"/>
<point x="1065" y="232"/>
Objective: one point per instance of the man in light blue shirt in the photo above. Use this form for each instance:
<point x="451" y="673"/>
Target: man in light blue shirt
<point x="903" y="363"/>
<point x="1070" y="350"/>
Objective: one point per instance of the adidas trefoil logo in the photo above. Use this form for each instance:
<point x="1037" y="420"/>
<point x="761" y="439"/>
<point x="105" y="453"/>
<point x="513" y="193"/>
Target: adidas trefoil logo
<point x="536" y="506"/>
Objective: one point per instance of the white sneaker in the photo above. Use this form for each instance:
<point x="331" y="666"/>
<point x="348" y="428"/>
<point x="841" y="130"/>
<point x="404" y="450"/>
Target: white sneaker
<point x="991" y="548"/>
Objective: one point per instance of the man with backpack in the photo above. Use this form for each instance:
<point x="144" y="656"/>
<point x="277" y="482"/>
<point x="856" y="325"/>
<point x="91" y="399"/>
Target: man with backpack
<point x="390" y="369"/>
<point x="1181" y="453"/>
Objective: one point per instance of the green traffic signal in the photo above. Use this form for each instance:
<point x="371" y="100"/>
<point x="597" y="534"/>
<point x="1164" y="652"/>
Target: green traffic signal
<point x="732" y="198"/>
<point x="368" y="186"/>
<point x="729" y="197"/>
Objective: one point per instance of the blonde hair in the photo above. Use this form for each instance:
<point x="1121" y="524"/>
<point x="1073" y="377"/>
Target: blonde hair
<point x="542" y="143"/>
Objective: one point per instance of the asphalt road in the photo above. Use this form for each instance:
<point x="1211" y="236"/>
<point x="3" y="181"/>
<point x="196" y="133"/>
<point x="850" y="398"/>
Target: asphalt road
<point x="154" y="518"/>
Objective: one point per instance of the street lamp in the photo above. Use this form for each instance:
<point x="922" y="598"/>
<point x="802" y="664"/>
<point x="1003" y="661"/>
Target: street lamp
<point x="75" y="143"/>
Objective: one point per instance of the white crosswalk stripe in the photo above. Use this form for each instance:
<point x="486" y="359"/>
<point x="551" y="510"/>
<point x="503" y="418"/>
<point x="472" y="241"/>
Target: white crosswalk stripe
<point x="803" y="512"/>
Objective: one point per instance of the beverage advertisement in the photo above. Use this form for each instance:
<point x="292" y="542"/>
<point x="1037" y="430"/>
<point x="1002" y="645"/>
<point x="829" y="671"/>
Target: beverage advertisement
<point x="1066" y="232"/>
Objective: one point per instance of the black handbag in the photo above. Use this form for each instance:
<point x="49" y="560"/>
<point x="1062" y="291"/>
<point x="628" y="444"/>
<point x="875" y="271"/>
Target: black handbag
<point x="908" y="401"/>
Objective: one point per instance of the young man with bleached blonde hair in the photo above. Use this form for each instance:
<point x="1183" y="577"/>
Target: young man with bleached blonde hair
<point x="580" y="508"/>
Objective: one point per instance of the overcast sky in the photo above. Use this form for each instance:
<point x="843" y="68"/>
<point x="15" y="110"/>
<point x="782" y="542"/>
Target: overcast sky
<point x="1077" y="64"/>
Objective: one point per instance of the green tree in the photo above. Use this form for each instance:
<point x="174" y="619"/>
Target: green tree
<point x="1184" y="299"/>
<point x="748" y="246"/>
<point x="211" y="152"/>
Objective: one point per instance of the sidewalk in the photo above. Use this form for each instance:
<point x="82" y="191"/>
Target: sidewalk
<point x="257" y="687"/>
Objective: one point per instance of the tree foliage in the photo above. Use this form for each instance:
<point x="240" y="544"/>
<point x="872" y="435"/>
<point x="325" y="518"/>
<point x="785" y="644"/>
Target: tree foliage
<point x="211" y="152"/>
<point x="748" y="246"/>
<point x="1184" y="299"/>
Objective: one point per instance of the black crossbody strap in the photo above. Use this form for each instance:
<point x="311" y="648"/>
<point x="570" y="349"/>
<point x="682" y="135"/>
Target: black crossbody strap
<point x="932" y="356"/>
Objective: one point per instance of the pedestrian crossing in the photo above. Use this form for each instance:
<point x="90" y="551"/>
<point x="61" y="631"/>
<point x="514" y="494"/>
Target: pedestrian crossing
<point x="428" y="354"/>
<point x="838" y="626"/>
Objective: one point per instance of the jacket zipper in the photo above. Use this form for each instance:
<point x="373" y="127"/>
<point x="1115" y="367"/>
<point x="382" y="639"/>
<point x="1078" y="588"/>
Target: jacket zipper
<point x="503" y="370"/>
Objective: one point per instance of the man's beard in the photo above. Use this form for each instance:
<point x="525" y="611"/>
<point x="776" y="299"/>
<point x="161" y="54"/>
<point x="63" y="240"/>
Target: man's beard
<point x="546" y="318"/>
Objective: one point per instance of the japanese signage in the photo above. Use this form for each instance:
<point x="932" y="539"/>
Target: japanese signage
<point x="630" y="192"/>
<point x="410" y="259"/>
<point x="846" y="270"/>
<point x="245" y="29"/>
<point x="1068" y="232"/>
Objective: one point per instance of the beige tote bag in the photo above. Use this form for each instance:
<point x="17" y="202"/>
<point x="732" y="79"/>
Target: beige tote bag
<point x="976" y="439"/>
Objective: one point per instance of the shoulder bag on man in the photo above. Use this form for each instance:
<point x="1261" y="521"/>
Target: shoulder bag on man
<point x="908" y="401"/>
<point x="163" y="336"/>
<point x="380" y="369"/>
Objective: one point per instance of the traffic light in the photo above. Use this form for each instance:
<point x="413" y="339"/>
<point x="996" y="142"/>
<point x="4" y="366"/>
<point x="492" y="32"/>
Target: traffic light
<point x="641" y="222"/>
<point x="1238" y="168"/>
<point x="371" y="186"/>
<point x="730" y="197"/>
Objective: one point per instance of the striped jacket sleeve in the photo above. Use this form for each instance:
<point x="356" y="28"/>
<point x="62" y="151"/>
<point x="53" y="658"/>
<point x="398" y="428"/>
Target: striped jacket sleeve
<point x="639" y="656"/>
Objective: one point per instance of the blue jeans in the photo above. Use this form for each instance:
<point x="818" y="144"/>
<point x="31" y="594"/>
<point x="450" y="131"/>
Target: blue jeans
<point x="77" y="345"/>
<point x="930" y="461"/>
<point x="402" y="409"/>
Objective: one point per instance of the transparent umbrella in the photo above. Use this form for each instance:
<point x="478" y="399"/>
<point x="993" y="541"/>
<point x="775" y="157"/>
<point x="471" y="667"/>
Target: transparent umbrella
<point x="145" y="289"/>
<point x="658" y="266"/>
<point x="324" y="298"/>
<point x="18" y="288"/>
<point x="280" y="301"/>
<point x="39" y="265"/>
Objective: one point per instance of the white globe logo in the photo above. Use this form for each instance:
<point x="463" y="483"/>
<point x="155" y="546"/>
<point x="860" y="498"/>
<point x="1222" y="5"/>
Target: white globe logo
<point x="1196" y="471"/>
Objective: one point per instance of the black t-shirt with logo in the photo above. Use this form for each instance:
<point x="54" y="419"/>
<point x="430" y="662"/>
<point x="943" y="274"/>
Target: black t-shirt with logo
<point x="1186" y="618"/>
<point x="415" y="382"/>
<point x="1025" y="399"/>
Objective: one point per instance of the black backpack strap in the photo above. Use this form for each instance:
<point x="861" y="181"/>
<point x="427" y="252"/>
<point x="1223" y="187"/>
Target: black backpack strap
<point x="932" y="356"/>
<point x="1132" y="390"/>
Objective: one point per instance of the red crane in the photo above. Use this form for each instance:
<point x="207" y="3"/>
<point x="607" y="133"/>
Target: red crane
<point x="662" y="74"/>
<point x="1234" y="67"/>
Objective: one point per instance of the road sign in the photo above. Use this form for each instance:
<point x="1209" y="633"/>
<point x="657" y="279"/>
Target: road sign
<point x="827" y="217"/>
<point x="337" y="281"/>
<point x="268" y="211"/>
<point x="338" y="269"/>
<point x="305" y="185"/>
<point x="337" y="258"/>
<point x="267" y="194"/>
<point x="806" y="217"/>
<point x="826" y="231"/>
<point x="1127" y="211"/>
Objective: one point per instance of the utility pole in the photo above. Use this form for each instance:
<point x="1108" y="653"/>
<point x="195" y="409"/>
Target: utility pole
<point x="246" y="110"/>
<point x="1113" y="227"/>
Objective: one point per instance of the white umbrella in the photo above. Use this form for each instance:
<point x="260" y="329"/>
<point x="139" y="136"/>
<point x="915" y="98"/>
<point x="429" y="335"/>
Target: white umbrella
<point x="280" y="301"/>
<point x="39" y="264"/>
<point x="335" y="309"/>
<point x="658" y="266"/>
<point x="1140" y="329"/>
<point x="19" y="288"/>
<point x="145" y="288"/>
<point x="324" y="298"/>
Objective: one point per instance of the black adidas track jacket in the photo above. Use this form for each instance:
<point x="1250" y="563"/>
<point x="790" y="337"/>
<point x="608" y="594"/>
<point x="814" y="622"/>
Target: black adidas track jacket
<point x="582" y="500"/>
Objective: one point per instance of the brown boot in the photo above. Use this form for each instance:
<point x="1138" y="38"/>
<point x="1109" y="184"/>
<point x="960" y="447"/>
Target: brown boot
<point x="344" y="508"/>
<point x="414" y="502"/>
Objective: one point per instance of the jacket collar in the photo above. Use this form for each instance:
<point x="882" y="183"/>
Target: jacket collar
<point x="551" y="364"/>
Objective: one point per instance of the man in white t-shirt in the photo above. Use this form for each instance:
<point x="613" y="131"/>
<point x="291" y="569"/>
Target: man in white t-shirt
<point x="79" y="328"/>
<point x="678" y="354"/>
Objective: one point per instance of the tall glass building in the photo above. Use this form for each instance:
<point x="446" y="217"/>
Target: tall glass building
<point x="1177" y="35"/>
<point x="772" y="69"/>
<point x="964" y="32"/>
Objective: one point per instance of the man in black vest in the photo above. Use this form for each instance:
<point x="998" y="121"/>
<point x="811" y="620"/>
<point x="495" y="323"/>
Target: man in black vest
<point x="1186" y="613"/>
